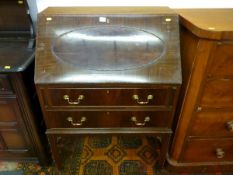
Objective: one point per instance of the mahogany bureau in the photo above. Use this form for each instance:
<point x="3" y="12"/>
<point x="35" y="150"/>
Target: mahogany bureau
<point x="108" y="71"/>
<point x="204" y="136"/>
<point x="20" y="139"/>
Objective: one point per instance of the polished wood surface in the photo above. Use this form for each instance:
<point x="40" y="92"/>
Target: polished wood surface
<point x="208" y="23"/>
<point x="162" y="97"/>
<point x="221" y="60"/>
<point x="201" y="150"/>
<point x="93" y="46"/>
<point x="203" y="139"/>
<point x="124" y="80"/>
<point x="213" y="123"/>
<point x="217" y="93"/>
<point x="50" y="69"/>
<point x="98" y="119"/>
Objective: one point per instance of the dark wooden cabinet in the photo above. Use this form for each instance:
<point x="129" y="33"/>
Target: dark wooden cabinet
<point x="121" y="76"/>
<point x="21" y="128"/>
<point x="19" y="137"/>
<point x="203" y="139"/>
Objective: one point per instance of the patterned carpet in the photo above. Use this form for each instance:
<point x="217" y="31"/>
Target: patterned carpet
<point x="109" y="155"/>
<point x="106" y="155"/>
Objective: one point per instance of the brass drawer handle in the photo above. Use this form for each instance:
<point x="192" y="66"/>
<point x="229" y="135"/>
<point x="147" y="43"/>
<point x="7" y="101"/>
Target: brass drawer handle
<point x="79" y="99"/>
<point x="220" y="153"/>
<point x="229" y="126"/>
<point x="136" y="98"/>
<point x="134" y="119"/>
<point x="70" y="119"/>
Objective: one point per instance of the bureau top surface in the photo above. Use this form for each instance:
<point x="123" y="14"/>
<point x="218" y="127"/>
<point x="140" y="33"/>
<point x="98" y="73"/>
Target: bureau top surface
<point x="208" y="23"/>
<point x="108" y="45"/>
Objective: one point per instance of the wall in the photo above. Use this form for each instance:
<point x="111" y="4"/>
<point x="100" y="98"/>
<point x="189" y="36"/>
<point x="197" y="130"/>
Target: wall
<point x="40" y="5"/>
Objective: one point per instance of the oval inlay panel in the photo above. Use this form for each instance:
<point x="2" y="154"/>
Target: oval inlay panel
<point x="108" y="48"/>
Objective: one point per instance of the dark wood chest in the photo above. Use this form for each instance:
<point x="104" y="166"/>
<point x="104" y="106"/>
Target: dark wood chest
<point x="204" y="137"/>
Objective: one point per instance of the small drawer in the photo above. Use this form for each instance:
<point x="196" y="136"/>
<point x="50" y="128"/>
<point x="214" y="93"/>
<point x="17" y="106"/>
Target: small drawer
<point x="222" y="60"/>
<point x="213" y="123"/>
<point x="95" y="119"/>
<point x="71" y="97"/>
<point x="5" y="86"/>
<point x="218" y="93"/>
<point x="208" y="150"/>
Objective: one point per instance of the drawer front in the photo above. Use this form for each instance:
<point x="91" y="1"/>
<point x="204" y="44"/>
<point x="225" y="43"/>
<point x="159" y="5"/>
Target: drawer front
<point x="210" y="150"/>
<point x="5" y="86"/>
<point x="222" y="60"/>
<point x="14" y="145"/>
<point x="218" y="93"/>
<point x="109" y="97"/>
<point x="92" y="119"/>
<point x="14" y="140"/>
<point x="213" y="123"/>
<point x="9" y="111"/>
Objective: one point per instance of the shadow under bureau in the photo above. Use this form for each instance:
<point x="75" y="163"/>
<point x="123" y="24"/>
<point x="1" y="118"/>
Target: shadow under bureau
<point x="108" y="71"/>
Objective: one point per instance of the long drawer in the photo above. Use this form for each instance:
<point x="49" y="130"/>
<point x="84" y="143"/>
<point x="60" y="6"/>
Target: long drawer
<point x="213" y="123"/>
<point x="100" y="119"/>
<point x="74" y="97"/>
<point x="208" y="150"/>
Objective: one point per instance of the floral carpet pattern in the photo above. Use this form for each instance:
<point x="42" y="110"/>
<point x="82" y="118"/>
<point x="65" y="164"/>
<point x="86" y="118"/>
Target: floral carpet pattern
<point x="95" y="155"/>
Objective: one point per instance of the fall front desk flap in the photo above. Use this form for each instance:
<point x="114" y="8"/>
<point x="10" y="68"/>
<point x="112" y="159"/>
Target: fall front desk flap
<point x="134" y="46"/>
